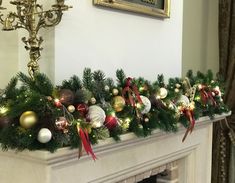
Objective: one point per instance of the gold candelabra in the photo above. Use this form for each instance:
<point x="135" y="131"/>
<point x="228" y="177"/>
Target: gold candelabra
<point x="30" y="16"/>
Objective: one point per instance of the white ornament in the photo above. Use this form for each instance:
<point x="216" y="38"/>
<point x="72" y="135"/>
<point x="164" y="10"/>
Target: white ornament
<point x="183" y="100"/>
<point x="147" y="104"/>
<point x="163" y="93"/>
<point x="44" y="135"/>
<point x="96" y="115"/>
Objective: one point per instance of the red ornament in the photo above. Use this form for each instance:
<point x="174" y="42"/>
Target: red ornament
<point x="62" y="124"/>
<point x="110" y="122"/>
<point x="57" y="103"/>
<point x="82" y="109"/>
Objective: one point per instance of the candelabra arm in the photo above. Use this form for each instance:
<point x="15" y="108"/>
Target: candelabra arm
<point x="31" y="17"/>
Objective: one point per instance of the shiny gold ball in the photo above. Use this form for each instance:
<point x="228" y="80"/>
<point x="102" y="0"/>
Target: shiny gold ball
<point x="28" y="119"/>
<point x="115" y="91"/>
<point x="71" y="108"/>
<point x="93" y="100"/>
<point x="118" y="103"/>
<point x="163" y="93"/>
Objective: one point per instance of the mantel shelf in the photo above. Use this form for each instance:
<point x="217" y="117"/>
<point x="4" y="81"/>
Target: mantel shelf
<point x="104" y="146"/>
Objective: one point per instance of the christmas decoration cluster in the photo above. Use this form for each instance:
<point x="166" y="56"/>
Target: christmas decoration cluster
<point x="36" y="115"/>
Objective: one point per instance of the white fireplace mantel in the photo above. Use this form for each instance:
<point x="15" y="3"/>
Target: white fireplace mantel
<point x="117" y="161"/>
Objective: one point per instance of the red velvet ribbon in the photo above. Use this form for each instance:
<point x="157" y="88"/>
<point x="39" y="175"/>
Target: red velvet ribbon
<point x="86" y="142"/>
<point x="130" y="90"/>
<point x="189" y="114"/>
<point x="210" y="96"/>
<point x="205" y="96"/>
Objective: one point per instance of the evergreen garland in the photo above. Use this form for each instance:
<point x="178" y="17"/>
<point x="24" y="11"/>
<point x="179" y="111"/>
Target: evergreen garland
<point x="63" y="108"/>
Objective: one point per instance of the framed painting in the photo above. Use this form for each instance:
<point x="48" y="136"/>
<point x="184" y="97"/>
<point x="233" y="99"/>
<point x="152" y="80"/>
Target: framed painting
<point x="158" y="8"/>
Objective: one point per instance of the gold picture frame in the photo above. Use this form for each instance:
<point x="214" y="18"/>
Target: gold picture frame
<point x="158" y="8"/>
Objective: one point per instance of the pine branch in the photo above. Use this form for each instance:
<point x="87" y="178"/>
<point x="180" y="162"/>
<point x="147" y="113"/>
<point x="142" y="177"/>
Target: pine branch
<point x="121" y="77"/>
<point x="99" y="84"/>
<point x="11" y="90"/>
<point x="87" y="79"/>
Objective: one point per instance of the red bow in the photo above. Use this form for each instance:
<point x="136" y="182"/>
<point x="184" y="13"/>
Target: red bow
<point x="131" y="90"/>
<point x="207" y="95"/>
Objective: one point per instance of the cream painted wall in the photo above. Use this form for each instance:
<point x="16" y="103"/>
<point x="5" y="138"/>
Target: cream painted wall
<point x="107" y="39"/>
<point x="8" y="54"/>
<point x="200" y="36"/>
<point x="199" y="49"/>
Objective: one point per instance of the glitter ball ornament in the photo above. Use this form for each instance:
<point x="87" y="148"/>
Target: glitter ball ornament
<point x="183" y="100"/>
<point x="110" y="122"/>
<point x="62" y="124"/>
<point x="66" y="97"/>
<point x="96" y="115"/>
<point x="28" y="119"/>
<point x="44" y="135"/>
<point x="115" y="91"/>
<point x="71" y="108"/>
<point x="93" y="100"/>
<point x="147" y="104"/>
<point x="118" y="103"/>
<point x="163" y="93"/>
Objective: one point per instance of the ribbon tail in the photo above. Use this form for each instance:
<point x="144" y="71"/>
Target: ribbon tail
<point x="185" y="135"/>
<point x="204" y="96"/>
<point x="189" y="114"/>
<point x="86" y="143"/>
<point x="212" y="99"/>
<point x="137" y="94"/>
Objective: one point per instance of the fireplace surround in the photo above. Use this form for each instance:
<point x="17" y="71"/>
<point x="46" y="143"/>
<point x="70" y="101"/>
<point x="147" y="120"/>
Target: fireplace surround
<point x="129" y="160"/>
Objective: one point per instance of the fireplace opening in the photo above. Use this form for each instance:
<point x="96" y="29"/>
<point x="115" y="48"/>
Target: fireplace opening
<point x="154" y="178"/>
<point x="164" y="174"/>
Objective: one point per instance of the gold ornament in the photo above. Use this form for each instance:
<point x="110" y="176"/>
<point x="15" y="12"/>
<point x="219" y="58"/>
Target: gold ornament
<point x="93" y="100"/>
<point x="28" y="119"/>
<point x="163" y="93"/>
<point x="71" y="108"/>
<point x="118" y="103"/>
<point x="115" y="91"/>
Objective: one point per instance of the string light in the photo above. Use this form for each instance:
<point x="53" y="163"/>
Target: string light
<point x="3" y="110"/>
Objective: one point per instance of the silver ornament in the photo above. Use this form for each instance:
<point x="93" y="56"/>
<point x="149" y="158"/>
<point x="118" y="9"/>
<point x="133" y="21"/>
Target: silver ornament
<point x="96" y="115"/>
<point x="44" y="135"/>
<point x="147" y="104"/>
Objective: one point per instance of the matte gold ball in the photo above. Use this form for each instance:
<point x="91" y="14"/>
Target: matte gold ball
<point x="28" y="119"/>
<point x="118" y="103"/>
